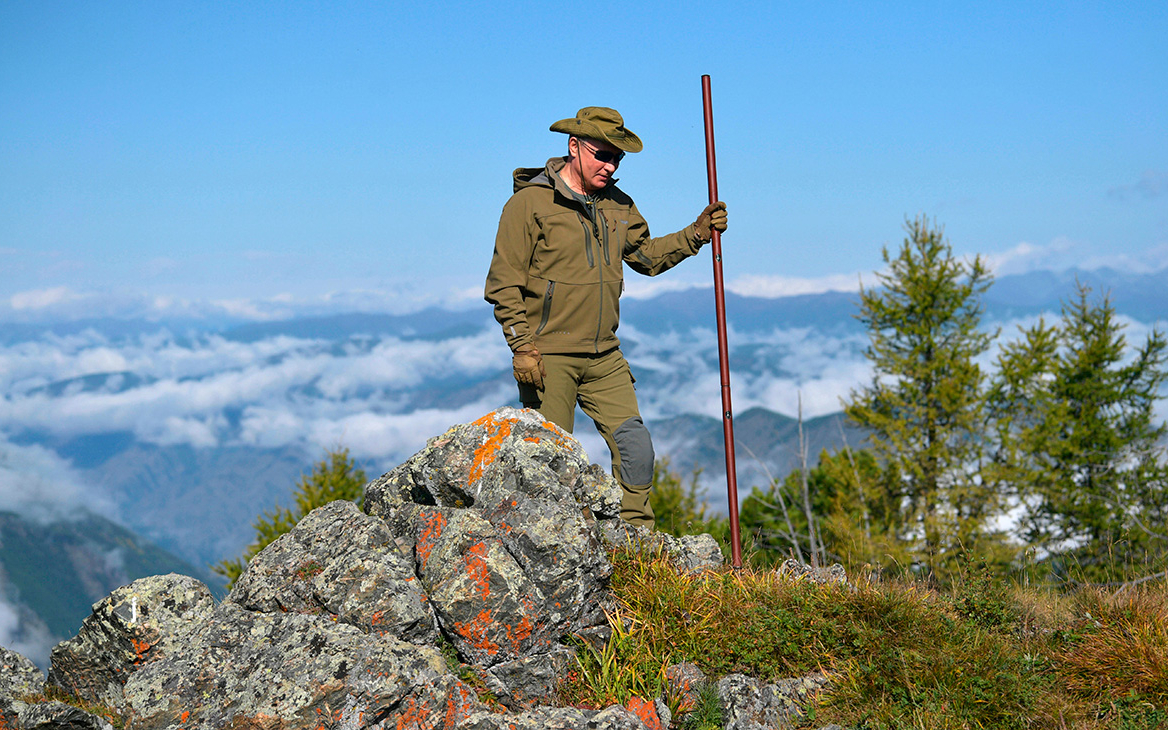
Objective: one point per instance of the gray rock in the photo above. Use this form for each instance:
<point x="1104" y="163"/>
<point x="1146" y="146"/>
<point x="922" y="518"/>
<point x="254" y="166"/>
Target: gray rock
<point x="685" y="680"/>
<point x="19" y="678"/>
<point x="342" y="562"/>
<point x="793" y="569"/>
<point x="128" y="629"/>
<point x="557" y="718"/>
<point x="295" y="670"/>
<point x="18" y="675"/>
<point x="690" y="553"/>
<point x="555" y="546"/>
<point x="750" y="704"/>
<point x="505" y="501"/>
<point x="59" y="716"/>
<point x="448" y="472"/>
<point x="663" y="714"/>
<point x="485" y="603"/>
<point x="529" y="680"/>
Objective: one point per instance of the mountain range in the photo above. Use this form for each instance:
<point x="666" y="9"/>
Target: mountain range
<point x="181" y="432"/>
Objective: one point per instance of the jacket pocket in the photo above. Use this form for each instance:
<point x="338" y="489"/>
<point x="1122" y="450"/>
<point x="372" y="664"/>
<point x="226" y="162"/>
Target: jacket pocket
<point x="547" y="306"/>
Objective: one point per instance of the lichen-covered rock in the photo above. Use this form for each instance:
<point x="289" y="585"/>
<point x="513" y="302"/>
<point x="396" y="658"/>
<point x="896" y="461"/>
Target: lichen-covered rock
<point x="685" y="680"/>
<point x="690" y="553"/>
<point x="448" y="471"/>
<point x="531" y="679"/>
<point x="261" y="670"/>
<point x="751" y="704"/>
<point x="795" y="570"/>
<point x="58" y="716"/>
<point x="128" y="629"/>
<point x="340" y="561"/>
<point x="19" y="678"/>
<point x="485" y="603"/>
<point x="18" y="675"/>
<point x="557" y="718"/>
<point x="503" y="499"/>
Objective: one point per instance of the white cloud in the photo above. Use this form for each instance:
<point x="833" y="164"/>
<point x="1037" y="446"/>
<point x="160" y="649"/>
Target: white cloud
<point x="787" y="286"/>
<point x="644" y="287"/>
<point x="384" y="435"/>
<point x="1058" y="255"/>
<point x="22" y="632"/>
<point x="41" y="486"/>
<point x="43" y="298"/>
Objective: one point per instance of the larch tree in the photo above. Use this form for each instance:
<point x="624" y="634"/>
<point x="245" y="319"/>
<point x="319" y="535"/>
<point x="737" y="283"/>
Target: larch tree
<point x="1078" y="439"/>
<point x="923" y="407"/>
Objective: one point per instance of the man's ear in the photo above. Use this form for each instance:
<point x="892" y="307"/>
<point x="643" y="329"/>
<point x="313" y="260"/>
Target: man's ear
<point x="573" y="146"/>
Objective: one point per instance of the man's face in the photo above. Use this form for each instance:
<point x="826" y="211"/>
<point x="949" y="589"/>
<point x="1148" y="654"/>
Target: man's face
<point x="596" y="175"/>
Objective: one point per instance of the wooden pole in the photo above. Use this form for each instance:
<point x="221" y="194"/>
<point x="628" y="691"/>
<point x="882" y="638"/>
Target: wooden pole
<point x="723" y="348"/>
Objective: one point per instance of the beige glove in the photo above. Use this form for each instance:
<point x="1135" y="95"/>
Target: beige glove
<point x="527" y="364"/>
<point x="714" y="216"/>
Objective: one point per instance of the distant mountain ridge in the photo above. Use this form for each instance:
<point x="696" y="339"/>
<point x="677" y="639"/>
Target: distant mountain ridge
<point x="57" y="570"/>
<point x="1141" y="296"/>
<point x="194" y="428"/>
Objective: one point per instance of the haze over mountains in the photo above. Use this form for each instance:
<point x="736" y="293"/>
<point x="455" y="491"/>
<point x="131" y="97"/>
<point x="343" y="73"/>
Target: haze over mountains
<point x="183" y="429"/>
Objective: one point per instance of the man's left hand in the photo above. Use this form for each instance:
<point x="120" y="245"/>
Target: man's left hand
<point x="713" y="217"/>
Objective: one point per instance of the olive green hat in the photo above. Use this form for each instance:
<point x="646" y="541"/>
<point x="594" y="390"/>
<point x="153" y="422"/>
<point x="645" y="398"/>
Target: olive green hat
<point x="600" y="123"/>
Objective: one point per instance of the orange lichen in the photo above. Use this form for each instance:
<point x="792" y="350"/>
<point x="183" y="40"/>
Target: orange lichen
<point x="559" y="437"/>
<point x="520" y="633"/>
<point x="459" y="705"/>
<point x="416" y="716"/>
<point x="434" y="523"/>
<point x="476" y="568"/>
<point x="645" y="710"/>
<point x="497" y="433"/>
<point x="476" y="632"/>
<point x="141" y="648"/>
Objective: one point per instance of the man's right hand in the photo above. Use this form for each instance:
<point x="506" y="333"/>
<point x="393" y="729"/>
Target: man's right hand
<point x="527" y="364"/>
<point x="712" y="218"/>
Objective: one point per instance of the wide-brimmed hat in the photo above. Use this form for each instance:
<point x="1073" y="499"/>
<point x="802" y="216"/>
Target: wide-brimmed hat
<point x="600" y="123"/>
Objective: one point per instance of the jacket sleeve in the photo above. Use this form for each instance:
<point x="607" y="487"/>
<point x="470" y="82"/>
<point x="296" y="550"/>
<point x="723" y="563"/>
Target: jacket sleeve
<point x="507" y="277"/>
<point x="651" y="256"/>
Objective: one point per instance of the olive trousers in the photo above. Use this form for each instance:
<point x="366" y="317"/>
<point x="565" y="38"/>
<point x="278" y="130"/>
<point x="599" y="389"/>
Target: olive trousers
<point x="603" y="386"/>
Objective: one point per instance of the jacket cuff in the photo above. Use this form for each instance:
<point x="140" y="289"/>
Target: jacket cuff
<point x="696" y="239"/>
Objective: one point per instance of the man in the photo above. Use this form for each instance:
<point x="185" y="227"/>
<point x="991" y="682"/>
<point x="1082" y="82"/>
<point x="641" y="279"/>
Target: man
<point x="556" y="278"/>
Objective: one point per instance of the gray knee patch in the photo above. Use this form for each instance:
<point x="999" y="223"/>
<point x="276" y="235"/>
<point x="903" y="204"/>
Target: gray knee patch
<point x="636" y="452"/>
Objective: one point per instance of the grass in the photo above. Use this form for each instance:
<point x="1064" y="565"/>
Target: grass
<point x="984" y="654"/>
<point x="56" y="694"/>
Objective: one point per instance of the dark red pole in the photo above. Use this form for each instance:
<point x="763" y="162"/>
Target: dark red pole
<point x="723" y="348"/>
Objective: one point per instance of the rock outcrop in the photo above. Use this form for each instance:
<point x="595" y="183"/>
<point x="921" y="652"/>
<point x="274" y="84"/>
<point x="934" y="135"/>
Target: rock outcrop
<point x="134" y="625"/>
<point x="750" y="704"/>
<point x="495" y="516"/>
<point x="489" y="544"/>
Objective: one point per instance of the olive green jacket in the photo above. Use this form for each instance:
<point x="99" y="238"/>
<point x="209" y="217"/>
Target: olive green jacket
<point x="556" y="276"/>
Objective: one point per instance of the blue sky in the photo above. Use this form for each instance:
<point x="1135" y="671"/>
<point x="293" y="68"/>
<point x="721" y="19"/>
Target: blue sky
<point x="360" y="152"/>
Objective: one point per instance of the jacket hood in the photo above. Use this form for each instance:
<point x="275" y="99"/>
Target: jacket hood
<point x="547" y="177"/>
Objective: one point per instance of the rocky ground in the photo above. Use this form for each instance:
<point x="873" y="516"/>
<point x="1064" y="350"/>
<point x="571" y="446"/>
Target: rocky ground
<point x="477" y="558"/>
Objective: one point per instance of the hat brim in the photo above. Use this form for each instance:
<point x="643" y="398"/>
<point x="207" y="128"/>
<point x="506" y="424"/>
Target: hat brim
<point x="627" y="141"/>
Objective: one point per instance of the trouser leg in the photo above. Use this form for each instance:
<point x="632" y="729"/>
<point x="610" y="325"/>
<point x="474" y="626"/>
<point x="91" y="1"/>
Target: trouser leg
<point x="607" y="396"/>
<point x="603" y="386"/>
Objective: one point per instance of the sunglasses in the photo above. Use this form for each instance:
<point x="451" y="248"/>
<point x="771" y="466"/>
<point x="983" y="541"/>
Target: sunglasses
<point x="604" y="156"/>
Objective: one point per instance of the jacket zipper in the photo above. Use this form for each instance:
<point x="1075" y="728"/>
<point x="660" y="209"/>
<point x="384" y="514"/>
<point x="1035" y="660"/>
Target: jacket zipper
<point x="547" y="307"/>
<point x="604" y="228"/>
<point x="600" y="299"/>
<point x="587" y="240"/>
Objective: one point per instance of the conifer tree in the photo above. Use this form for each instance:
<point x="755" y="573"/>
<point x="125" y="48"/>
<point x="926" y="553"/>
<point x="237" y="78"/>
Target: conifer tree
<point x="1074" y="414"/>
<point x="923" y="407"/>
